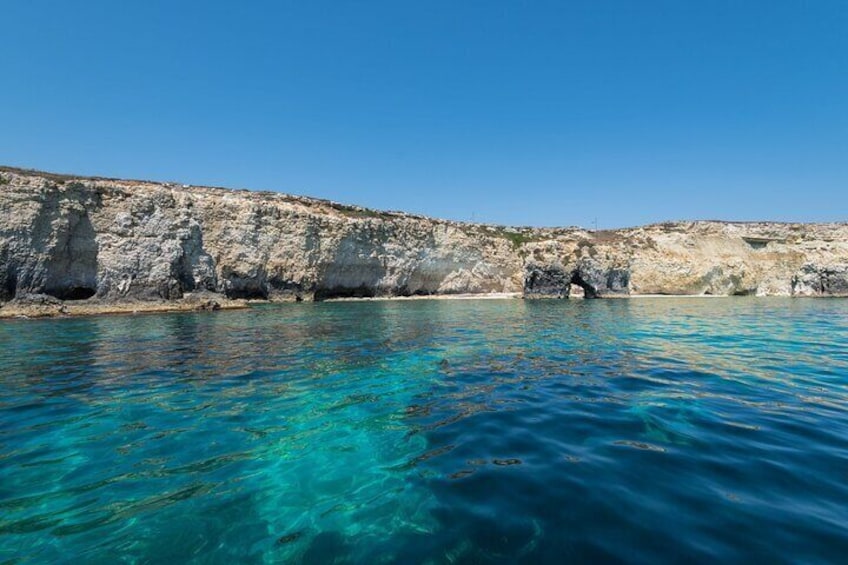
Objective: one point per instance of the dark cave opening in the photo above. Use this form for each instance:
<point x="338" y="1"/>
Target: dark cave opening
<point x="344" y="292"/>
<point x="247" y="293"/>
<point x="75" y="293"/>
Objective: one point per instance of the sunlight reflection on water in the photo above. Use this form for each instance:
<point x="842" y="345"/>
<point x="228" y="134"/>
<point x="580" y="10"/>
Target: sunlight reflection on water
<point x="440" y="430"/>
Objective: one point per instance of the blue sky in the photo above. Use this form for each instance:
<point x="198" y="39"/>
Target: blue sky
<point x="527" y="113"/>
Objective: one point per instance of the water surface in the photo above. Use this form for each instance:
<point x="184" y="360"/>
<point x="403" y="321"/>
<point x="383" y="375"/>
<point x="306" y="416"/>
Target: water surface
<point x="429" y="431"/>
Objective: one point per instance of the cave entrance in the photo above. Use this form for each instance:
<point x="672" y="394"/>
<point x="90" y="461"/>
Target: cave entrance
<point x="588" y="290"/>
<point x="362" y="291"/>
<point x="75" y="293"/>
<point x="9" y="286"/>
<point x="247" y="293"/>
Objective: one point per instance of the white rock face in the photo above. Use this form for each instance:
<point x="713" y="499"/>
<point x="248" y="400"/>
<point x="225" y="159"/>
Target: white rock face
<point x="76" y="238"/>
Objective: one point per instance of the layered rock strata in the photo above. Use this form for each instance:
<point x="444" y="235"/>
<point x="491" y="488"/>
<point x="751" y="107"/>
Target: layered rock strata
<point x="93" y="239"/>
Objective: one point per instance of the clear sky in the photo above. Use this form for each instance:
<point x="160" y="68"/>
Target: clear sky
<point x="524" y="112"/>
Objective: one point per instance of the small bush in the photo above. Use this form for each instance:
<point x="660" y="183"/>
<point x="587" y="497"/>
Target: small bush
<point x="518" y="238"/>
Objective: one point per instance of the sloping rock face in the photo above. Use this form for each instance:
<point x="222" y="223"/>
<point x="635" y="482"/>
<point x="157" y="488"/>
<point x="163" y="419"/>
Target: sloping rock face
<point x="80" y="238"/>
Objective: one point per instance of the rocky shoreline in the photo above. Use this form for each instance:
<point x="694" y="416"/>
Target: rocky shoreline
<point x="46" y="306"/>
<point x="78" y="245"/>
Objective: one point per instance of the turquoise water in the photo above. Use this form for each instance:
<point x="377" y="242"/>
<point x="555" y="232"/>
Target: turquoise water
<point x="429" y="431"/>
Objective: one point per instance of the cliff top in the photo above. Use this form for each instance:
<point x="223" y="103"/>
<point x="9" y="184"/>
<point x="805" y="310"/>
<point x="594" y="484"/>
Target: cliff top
<point x="520" y="234"/>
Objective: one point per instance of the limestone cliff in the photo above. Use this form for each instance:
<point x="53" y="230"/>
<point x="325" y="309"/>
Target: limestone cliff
<point x="79" y="238"/>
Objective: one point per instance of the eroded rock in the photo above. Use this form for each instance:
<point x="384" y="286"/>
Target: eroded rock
<point x="83" y="239"/>
<point x="821" y="280"/>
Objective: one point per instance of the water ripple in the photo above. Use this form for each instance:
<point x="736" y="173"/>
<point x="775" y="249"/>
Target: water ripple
<point x="474" y="431"/>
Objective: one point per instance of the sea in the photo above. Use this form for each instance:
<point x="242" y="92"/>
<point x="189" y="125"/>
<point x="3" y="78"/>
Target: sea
<point x="430" y="431"/>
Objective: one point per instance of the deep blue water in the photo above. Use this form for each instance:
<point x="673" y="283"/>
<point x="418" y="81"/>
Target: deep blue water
<point x="429" y="431"/>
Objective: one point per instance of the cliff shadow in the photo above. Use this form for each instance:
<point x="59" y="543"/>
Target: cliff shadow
<point x="355" y="270"/>
<point x="550" y="281"/>
<point x="248" y="284"/>
<point x="8" y="275"/>
<point x="195" y="268"/>
<point x="71" y="270"/>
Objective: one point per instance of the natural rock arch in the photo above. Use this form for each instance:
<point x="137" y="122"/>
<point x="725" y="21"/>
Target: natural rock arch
<point x="589" y="291"/>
